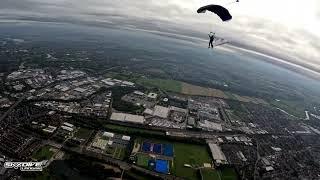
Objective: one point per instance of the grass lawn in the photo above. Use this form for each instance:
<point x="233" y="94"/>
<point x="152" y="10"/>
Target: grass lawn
<point x="210" y="174"/>
<point x="119" y="153"/>
<point x="194" y="155"/>
<point x="110" y="150"/>
<point x="290" y="107"/>
<point x="228" y="174"/>
<point x="83" y="133"/>
<point x="190" y="89"/>
<point x="163" y="84"/>
<point x="230" y="95"/>
<point x="142" y="160"/>
<point x="43" y="153"/>
<point x="122" y="153"/>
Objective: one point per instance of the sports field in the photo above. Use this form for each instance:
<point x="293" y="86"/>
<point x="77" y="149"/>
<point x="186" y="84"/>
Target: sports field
<point x="195" y="155"/>
<point x="142" y="160"/>
<point x="44" y="153"/>
<point x="116" y="152"/>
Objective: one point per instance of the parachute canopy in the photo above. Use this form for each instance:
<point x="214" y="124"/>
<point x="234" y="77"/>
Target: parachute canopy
<point x="222" y="12"/>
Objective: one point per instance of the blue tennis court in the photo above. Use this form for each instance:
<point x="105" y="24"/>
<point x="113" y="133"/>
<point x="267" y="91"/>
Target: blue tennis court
<point x="168" y="150"/>
<point x="157" y="148"/>
<point x="146" y="147"/>
<point x="162" y="166"/>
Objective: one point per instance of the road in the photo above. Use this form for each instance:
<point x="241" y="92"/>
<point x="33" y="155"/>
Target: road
<point x="256" y="163"/>
<point x="199" y="135"/>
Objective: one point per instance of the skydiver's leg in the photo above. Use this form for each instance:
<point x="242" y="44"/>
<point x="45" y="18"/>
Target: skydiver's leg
<point x="211" y="44"/>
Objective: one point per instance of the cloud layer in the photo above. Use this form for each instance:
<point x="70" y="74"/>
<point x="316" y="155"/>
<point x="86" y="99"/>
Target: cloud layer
<point x="287" y="29"/>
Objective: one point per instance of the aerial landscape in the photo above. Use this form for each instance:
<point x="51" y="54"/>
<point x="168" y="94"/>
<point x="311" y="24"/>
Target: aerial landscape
<point x="130" y="97"/>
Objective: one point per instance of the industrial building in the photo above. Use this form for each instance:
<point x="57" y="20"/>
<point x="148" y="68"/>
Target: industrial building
<point x="217" y="154"/>
<point x="209" y="126"/>
<point x="161" y="111"/>
<point x="123" y="117"/>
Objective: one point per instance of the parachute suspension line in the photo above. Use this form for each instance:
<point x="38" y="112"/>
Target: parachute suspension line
<point x="230" y="3"/>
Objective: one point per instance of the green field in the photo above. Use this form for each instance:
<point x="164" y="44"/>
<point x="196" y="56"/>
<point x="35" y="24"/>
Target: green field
<point x="224" y="174"/>
<point x="142" y="160"/>
<point x="83" y="133"/>
<point x="43" y="153"/>
<point x="163" y="84"/>
<point x="195" y="155"/>
<point x="116" y="152"/>
<point x="230" y="95"/>
<point x="228" y="174"/>
<point x="119" y="153"/>
<point x="210" y="174"/>
<point x="295" y="108"/>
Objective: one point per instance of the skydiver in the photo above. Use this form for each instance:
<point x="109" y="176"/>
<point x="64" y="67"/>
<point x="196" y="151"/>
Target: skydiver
<point x="212" y="37"/>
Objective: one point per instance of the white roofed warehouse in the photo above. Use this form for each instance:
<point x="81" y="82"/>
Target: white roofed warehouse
<point x="123" y="117"/>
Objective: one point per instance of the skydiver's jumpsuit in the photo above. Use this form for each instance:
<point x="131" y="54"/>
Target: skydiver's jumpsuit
<point x="211" y="36"/>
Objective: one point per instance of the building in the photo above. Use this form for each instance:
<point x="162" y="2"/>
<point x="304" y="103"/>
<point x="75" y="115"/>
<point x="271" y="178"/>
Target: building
<point x="123" y="117"/>
<point x="68" y="124"/>
<point x="66" y="128"/>
<point x="148" y="111"/>
<point x="18" y="87"/>
<point x="161" y="111"/>
<point x="126" y="138"/>
<point x="217" y="154"/>
<point x="100" y="144"/>
<point x="191" y="121"/>
<point x="208" y="125"/>
<point x="108" y="134"/>
<point x="127" y="83"/>
<point x="152" y="95"/>
<point x="80" y="90"/>
<point x="139" y="93"/>
<point x="241" y="156"/>
<point x="108" y="82"/>
<point x="49" y="129"/>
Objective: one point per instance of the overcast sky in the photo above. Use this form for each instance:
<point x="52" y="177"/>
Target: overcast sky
<point x="285" y="28"/>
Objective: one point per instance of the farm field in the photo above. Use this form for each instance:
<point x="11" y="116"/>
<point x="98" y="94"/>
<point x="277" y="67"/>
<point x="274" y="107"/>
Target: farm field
<point x="189" y="89"/>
